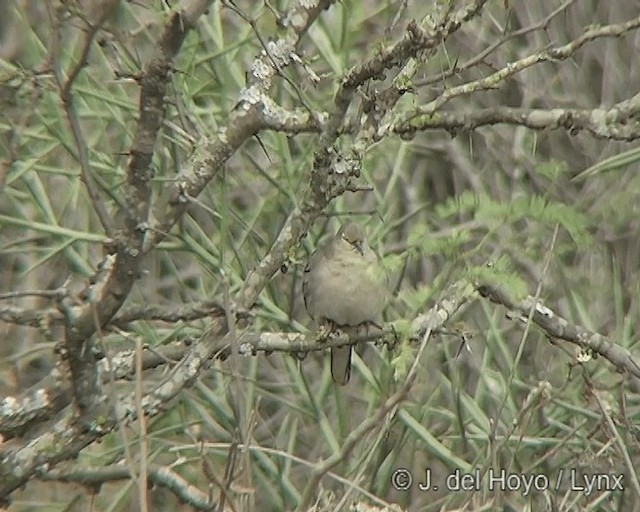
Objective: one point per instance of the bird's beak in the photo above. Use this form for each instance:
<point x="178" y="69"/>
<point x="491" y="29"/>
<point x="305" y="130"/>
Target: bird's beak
<point x="359" y="246"/>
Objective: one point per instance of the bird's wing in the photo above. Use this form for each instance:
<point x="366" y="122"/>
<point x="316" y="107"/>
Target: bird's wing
<point x="310" y="271"/>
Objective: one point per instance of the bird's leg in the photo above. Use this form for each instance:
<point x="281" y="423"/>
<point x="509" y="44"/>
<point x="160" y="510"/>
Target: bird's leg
<point x="325" y="330"/>
<point x="374" y="324"/>
<point x="381" y="337"/>
<point x="367" y="325"/>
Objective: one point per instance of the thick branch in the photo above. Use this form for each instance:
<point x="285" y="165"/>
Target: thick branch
<point x="614" y="123"/>
<point x="158" y="475"/>
<point x="557" y="327"/>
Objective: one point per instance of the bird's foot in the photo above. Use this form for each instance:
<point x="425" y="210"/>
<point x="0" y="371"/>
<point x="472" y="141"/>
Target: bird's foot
<point x="325" y="331"/>
<point x="368" y="325"/>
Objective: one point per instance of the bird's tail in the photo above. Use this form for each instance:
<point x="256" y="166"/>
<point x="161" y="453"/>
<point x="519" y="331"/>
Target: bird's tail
<point x="341" y="364"/>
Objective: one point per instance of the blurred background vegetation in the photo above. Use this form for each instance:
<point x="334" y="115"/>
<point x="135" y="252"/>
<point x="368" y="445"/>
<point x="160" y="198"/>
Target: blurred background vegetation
<point x="556" y="211"/>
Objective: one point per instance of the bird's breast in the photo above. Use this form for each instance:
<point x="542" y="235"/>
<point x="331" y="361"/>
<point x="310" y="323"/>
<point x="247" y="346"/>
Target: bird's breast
<point x="348" y="293"/>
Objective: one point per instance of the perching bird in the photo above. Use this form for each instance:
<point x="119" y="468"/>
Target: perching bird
<point x="345" y="286"/>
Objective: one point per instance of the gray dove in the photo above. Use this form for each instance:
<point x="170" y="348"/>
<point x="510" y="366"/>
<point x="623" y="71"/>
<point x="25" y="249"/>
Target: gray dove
<point x="344" y="286"/>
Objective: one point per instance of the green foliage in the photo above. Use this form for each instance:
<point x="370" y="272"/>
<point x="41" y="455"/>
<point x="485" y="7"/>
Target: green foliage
<point x="552" y="169"/>
<point x="421" y="244"/>
<point x="492" y="214"/>
<point x="500" y="272"/>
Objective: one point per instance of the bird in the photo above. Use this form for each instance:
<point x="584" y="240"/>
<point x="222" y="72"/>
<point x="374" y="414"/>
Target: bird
<point x="344" y="286"/>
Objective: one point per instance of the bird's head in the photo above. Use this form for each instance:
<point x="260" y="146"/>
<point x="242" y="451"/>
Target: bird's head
<point x="353" y="234"/>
